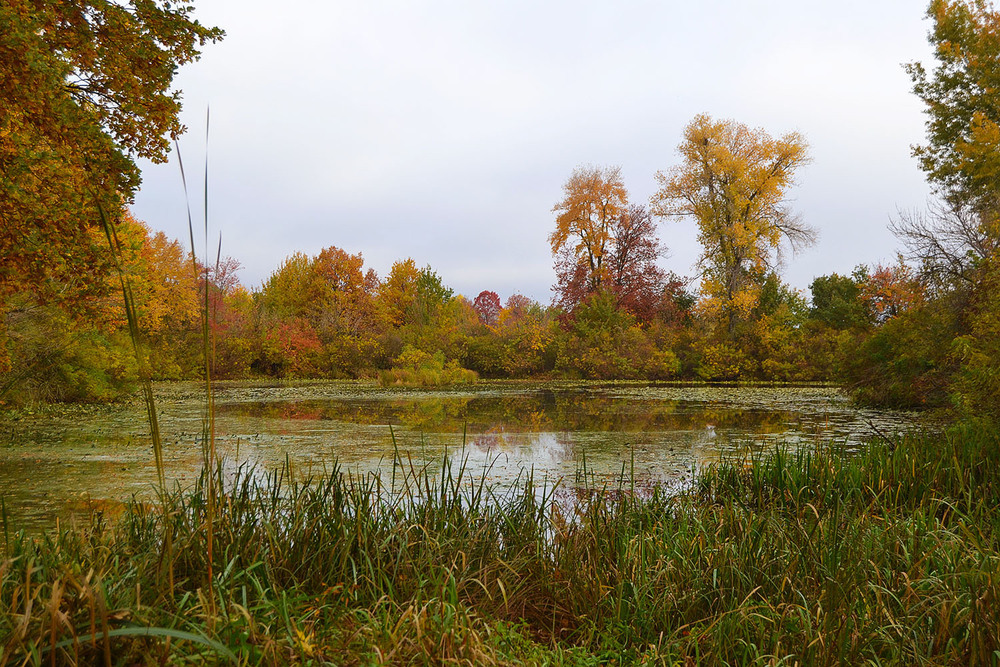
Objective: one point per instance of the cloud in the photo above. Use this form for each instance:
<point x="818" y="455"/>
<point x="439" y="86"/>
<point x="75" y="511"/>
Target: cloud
<point x="444" y="130"/>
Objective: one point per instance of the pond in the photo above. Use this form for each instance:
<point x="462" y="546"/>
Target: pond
<point x="66" y="460"/>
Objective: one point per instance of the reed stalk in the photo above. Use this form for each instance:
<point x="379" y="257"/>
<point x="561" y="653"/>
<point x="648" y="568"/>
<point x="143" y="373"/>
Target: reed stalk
<point x="884" y="557"/>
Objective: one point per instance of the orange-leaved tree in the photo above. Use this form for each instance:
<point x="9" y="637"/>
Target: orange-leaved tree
<point x="602" y="243"/>
<point x="84" y="90"/>
<point x="594" y="198"/>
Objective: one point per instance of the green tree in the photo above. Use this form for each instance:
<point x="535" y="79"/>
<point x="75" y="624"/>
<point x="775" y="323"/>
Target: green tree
<point x="962" y="153"/>
<point x="837" y="302"/>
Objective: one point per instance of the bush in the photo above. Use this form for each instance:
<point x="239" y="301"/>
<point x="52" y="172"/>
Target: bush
<point x="415" y="367"/>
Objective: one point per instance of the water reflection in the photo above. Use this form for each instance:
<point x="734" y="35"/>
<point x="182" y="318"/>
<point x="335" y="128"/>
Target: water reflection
<point x="56" y="464"/>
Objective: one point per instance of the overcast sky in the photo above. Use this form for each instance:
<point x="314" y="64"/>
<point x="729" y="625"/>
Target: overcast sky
<point x="444" y="130"/>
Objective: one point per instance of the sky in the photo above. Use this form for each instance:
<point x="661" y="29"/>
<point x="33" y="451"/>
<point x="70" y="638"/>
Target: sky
<point x="444" y="130"/>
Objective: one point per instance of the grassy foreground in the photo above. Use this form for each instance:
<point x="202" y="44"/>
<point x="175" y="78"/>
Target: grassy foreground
<point x="889" y="557"/>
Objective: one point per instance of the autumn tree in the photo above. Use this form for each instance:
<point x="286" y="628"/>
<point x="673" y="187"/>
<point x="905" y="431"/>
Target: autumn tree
<point x="887" y="291"/>
<point x="603" y="243"/>
<point x="732" y="182"/>
<point x="397" y="293"/>
<point x="84" y="90"/>
<point x="594" y="198"/>
<point x="526" y="329"/>
<point x="487" y="306"/>
<point x="329" y="301"/>
<point x="636" y="279"/>
<point x="962" y="153"/>
<point x="935" y="340"/>
<point x="56" y="353"/>
<point x="343" y="293"/>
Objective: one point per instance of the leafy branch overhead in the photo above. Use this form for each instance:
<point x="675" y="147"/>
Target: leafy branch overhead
<point x="85" y="89"/>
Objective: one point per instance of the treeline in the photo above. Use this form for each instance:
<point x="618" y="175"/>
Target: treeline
<point x="921" y="331"/>
<point x="616" y="313"/>
<point x="328" y="316"/>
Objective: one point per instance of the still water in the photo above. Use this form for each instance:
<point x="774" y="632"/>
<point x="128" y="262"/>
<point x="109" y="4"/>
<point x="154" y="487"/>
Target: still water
<point x="65" y="460"/>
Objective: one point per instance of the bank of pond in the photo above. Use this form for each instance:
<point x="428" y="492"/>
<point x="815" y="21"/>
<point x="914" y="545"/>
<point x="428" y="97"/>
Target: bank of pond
<point x="881" y="549"/>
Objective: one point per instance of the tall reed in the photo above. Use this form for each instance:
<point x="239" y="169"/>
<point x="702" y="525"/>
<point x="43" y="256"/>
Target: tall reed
<point x="142" y="362"/>
<point x="209" y="457"/>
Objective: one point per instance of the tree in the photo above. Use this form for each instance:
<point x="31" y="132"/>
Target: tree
<point x="594" y="198"/>
<point x="837" y="302"/>
<point x="487" y="306"/>
<point x="398" y="291"/>
<point x="636" y="279"/>
<point x="962" y="153"/>
<point x="732" y="182"/>
<point x="344" y="293"/>
<point x="949" y="241"/>
<point x="282" y="295"/>
<point x="601" y="242"/>
<point x="84" y="90"/>
<point x="889" y="291"/>
<point x="334" y="294"/>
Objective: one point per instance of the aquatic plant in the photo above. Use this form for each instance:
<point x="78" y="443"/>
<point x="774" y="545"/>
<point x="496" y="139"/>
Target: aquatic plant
<point x="890" y="556"/>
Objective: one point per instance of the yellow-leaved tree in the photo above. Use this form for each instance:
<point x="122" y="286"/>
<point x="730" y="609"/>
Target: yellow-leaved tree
<point x="733" y="181"/>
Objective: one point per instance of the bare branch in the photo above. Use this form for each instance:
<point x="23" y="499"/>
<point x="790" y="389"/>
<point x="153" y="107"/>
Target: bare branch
<point x="948" y="239"/>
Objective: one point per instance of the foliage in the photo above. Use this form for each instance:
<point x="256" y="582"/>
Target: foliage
<point x="733" y="182"/>
<point x="522" y="344"/>
<point x="418" y="368"/>
<point x="58" y="358"/>
<point x="487" y="306"/>
<point x="889" y="291"/>
<point x="336" y="300"/>
<point x="837" y="302"/>
<point x="602" y="243"/>
<point x="47" y="341"/>
<point x="722" y="362"/>
<point x="906" y="362"/>
<point x="962" y="154"/>
<point x="84" y="89"/>
<point x="290" y="349"/>
<point x="976" y="388"/>
<point x="594" y="198"/>
<point x="605" y="342"/>
<point x="635" y="277"/>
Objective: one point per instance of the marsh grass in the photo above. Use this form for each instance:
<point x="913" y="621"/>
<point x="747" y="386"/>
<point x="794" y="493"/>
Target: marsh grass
<point x="887" y="557"/>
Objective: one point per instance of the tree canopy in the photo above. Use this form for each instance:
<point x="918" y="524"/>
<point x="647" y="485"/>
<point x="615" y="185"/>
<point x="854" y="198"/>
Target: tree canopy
<point x="602" y="243"/>
<point x="594" y="198"/>
<point x="962" y="153"/>
<point x="85" y="88"/>
<point x="732" y="181"/>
